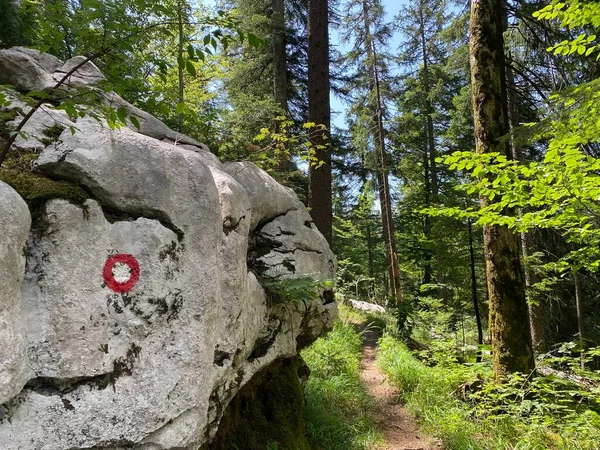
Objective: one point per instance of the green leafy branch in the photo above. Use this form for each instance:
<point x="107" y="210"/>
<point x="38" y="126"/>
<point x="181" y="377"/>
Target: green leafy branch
<point x="573" y="14"/>
<point x="285" y="135"/>
<point x="561" y="192"/>
<point x="88" y="100"/>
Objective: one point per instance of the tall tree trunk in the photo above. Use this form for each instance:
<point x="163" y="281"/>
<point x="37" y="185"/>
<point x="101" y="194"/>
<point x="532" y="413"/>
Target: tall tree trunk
<point x="536" y="313"/>
<point x="280" y="70"/>
<point x="579" y="306"/>
<point x="511" y="340"/>
<point x="389" y="237"/>
<point x="279" y="55"/>
<point x="431" y="183"/>
<point x="385" y="200"/>
<point x="428" y="109"/>
<point x="319" y="176"/>
<point x="370" y="250"/>
<point x="427" y="271"/>
<point x="474" y="292"/>
<point x="180" y="7"/>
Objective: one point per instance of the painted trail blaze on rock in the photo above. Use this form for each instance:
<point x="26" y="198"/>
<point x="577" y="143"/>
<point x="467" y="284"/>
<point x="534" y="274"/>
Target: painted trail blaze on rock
<point x="121" y="272"/>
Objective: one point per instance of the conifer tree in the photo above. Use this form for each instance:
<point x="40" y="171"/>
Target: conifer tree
<point x="367" y="35"/>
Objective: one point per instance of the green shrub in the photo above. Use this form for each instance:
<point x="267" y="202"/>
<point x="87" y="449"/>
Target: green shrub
<point x="461" y="404"/>
<point x="300" y="289"/>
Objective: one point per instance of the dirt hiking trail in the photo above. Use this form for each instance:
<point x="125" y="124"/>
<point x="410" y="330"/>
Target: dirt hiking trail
<point x="396" y="424"/>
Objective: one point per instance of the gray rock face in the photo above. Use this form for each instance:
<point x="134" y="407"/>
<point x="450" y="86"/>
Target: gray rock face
<point x="41" y="129"/>
<point x="84" y="73"/>
<point x="27" y="69"/>
<point x="133" y="319"/>
<point x="150" y="125"/>
<point x="14" y="223"/>
<point x="280" y="200"/>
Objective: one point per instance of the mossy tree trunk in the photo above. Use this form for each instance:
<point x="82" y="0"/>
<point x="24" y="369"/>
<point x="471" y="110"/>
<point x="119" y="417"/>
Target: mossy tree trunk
<point x="511" y="339"/>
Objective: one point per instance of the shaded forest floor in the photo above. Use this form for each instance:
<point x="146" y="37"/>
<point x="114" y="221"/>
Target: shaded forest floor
<point x="399" y="429"/>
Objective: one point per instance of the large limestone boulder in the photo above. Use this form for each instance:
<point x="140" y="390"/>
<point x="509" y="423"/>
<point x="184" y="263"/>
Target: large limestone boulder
<point x="15" y="222"/>
<point x="27" y="69"/>
<point x="134" y="318"/>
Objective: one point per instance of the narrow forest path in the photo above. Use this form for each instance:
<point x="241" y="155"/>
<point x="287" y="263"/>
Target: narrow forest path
<point x="396" y="424"/>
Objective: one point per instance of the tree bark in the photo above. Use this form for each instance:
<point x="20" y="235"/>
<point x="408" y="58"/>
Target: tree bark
<point x="279" y="55"/>
<point x="511" y="339"/>
<point x="319" y="175"/>
<point x="428" y="110"/>
<point x="370" y="250"/>
<point x="427" y="271"/>
<point x="536" y="312"/>
<point x="280" y="71"/>
<point x="429" y="163"/>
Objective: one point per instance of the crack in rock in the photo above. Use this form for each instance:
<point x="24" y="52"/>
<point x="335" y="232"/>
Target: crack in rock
<point x="113" y="215"/>
<point x="262" y="346"/>
<point x="231" y="224"/>
<point x="50" y="386"/>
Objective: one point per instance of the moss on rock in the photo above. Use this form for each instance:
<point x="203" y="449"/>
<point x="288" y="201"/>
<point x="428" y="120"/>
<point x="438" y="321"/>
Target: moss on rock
<point x="36" y="189"/>
<point x="52" y="133"/>
<point x="268" y="410"/>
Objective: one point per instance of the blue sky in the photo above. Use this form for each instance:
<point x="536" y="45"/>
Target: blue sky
<point x="392" y="8"/>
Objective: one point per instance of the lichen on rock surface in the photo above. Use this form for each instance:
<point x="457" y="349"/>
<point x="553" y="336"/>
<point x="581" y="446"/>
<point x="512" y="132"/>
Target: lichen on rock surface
<point x="131" y="312"/>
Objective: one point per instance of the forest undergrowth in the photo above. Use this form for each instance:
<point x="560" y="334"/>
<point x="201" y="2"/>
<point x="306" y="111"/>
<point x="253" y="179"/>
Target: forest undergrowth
<point x="452" y="398"/>
<point x="457" y="400"/>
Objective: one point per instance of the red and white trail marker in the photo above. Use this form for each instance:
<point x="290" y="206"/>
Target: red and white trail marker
<point x="121" y="272"/>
